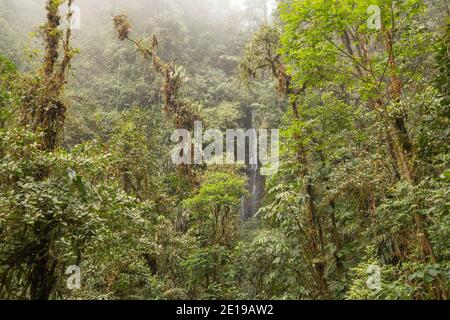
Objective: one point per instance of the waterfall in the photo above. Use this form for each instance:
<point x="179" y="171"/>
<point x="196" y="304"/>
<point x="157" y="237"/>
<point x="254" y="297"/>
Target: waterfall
<point x="250" y="204"/>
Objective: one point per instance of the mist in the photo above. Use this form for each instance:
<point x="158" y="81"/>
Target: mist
<point x="224" y="150"/>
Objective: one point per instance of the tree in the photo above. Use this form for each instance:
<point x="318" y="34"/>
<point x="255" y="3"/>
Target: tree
<point x="43" y="108"/>
<point x="262" y="54"/>
<point x="338" y="47"/>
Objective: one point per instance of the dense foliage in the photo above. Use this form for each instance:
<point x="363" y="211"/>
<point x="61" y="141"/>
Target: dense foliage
<point x="86" y="177"/>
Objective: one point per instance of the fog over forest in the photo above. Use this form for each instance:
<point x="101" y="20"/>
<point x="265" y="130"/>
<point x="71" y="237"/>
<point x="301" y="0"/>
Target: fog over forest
<point x="224" y="150"/>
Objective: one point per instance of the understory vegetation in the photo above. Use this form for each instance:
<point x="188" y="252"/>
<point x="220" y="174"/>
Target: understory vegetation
<point x="86" y="177"/>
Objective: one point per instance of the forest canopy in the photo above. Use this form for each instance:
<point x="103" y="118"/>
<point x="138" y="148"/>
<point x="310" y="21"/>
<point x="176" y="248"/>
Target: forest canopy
<point x="92" y="207"/>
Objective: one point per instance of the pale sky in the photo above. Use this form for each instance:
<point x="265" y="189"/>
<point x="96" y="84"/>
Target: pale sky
<point x="271" y="5"/>
<point x="238" y="3"/>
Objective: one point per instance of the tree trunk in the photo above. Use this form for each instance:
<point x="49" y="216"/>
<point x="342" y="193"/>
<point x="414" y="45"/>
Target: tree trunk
<point x="318" y="254"/>
<point x="403" y="147"/>
<point x="337" y="241"/>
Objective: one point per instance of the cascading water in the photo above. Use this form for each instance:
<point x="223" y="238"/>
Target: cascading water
<point x="250" y="204"/>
